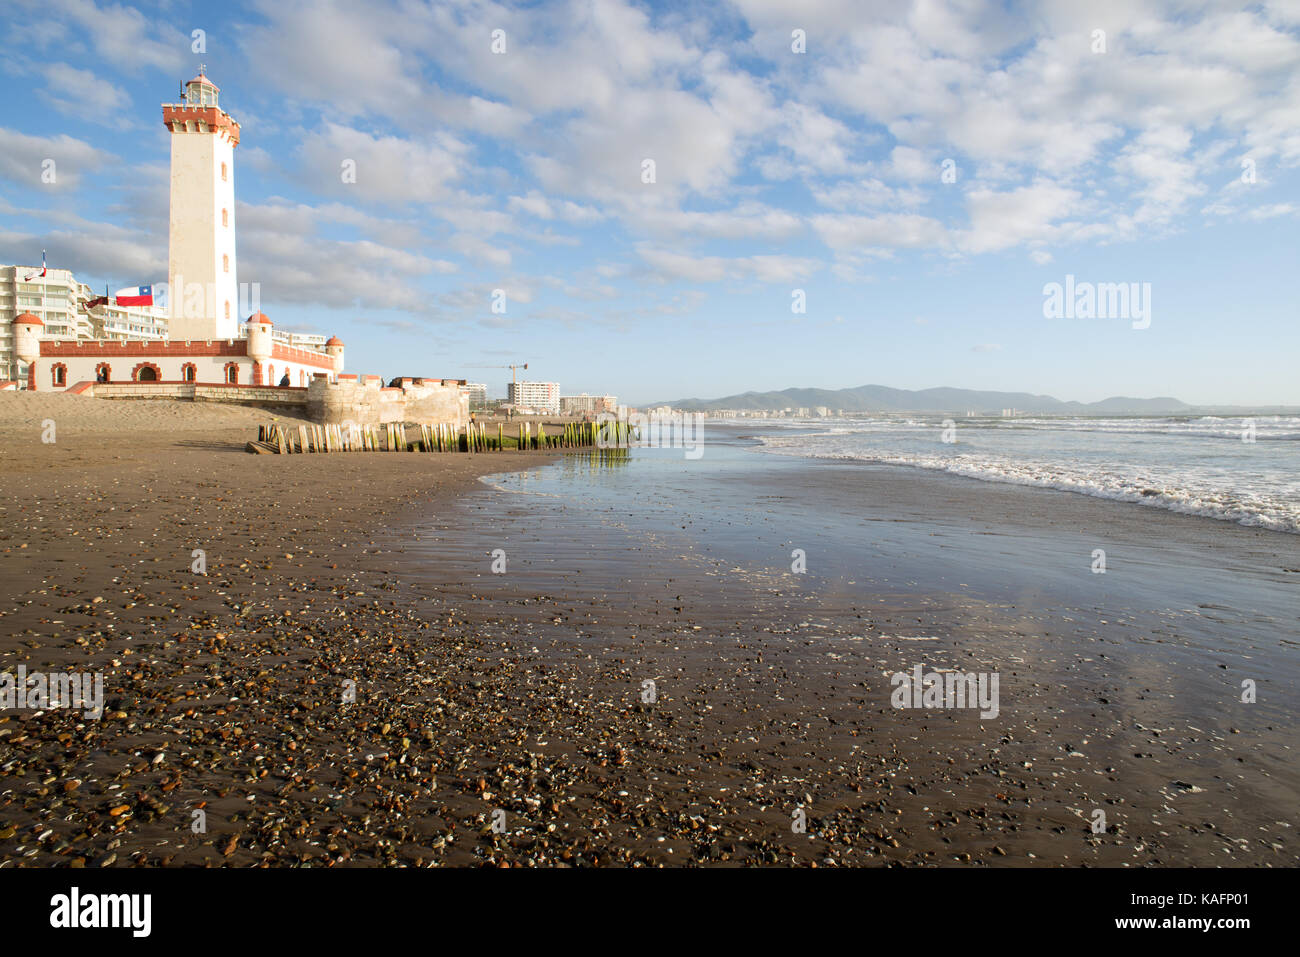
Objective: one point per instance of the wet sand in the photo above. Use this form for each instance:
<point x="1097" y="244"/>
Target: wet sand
<point x="525" y="692"/>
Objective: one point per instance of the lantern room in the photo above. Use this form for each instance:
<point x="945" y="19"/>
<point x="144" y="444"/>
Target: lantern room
<point x="201" y="91"/>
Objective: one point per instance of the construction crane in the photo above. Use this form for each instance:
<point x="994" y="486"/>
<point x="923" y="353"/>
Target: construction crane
<point x="514" y="379"/>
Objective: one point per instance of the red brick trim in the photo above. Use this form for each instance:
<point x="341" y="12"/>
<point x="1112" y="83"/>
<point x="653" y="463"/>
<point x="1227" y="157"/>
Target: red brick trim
<point x="225" y="373"/>
<point x="257" y="374"/>
<point x="117" y="349"/>
<point x="107" y="369"/>
<point x="177" y="118"/>
<point x="31" y="376"/>
<point x="191" y="368"/>
<point x="303" y="357"/>
<point x="135" y="373"/>
<point x="54" y="375"/>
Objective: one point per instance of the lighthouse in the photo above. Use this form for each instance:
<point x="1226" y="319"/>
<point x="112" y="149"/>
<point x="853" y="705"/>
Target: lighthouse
<point x="203" y="293"/>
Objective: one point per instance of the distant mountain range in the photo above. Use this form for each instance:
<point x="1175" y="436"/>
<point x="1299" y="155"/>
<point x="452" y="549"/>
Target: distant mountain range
<point x="879" y="398"/>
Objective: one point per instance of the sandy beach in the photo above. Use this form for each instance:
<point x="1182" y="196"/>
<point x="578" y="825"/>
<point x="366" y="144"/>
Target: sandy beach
<point x="505" y="719"/>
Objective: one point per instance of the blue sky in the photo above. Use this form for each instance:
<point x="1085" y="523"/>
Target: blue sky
<point x="1169" y="156"/>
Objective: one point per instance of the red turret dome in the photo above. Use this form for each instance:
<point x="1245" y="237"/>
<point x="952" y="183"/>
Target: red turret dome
<point x="259" y="317"/>
<point x="27" y="319"/>
<point x="333" y="341"/>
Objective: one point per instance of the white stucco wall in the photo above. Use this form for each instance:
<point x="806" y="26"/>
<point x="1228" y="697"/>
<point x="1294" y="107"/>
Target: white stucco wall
<point x="81" y="365"/>
<point x="198" y="239"/>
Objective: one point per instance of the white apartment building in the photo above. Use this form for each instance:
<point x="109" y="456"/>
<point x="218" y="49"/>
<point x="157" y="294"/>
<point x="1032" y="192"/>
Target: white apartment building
<point x="477" y="392"/>
<point x="52" y="298"/>
<point x="539" y="396"/>
<point x="300" y="340"/>
<point x="111" y="321"/>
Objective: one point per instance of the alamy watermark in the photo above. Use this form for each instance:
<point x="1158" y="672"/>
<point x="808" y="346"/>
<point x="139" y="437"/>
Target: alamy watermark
<point x="37" y="691"/>
<point x="672" y="430"/>
<point x="129" y="911"/>
<point x="949" y="689"/>
<point x="1101" y="300"/>
<point x="196" y="300"/>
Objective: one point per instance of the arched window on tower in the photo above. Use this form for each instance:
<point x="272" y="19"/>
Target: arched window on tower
<point x="225" y="264"/>
<point x="227" y="308"/>
<point x="225" y="217"/>
<point x="223" y="172"/>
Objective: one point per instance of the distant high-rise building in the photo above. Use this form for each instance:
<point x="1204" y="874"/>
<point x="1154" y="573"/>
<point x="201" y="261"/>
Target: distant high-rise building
<point x="538" y="396"/>
<point x="578" y="404"/>
<point x="477" y="392"/>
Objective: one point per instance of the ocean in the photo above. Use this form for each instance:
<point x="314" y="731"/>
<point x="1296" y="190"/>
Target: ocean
<point x="1197" y="465"/>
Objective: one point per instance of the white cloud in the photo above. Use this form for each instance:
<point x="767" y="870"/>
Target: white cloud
<point x="282" y="247"/>
<point x="1273" y="210"/>
<point x="999" y="220"/>
<point x="670" y="265"/>
<point x="83" y="94"/>
<point x="887" y="231"/>
<point x="92" y="249"/>
<point x="27" y="160"/>
<point x="388" y="169"/>
<point x="123" y="36"/>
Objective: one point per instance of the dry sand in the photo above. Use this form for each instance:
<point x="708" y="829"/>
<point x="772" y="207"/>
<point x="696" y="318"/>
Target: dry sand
<point x="24" y="413"/>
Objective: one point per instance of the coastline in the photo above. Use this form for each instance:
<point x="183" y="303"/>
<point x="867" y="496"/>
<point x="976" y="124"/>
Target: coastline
<point x="523" y="692"/>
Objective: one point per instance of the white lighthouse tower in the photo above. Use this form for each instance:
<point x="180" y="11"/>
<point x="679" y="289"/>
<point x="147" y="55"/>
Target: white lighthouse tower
<point x="203" y="293"/>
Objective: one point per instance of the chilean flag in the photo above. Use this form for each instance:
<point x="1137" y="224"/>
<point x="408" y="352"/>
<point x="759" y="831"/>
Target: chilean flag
<point x="135" y="296"/>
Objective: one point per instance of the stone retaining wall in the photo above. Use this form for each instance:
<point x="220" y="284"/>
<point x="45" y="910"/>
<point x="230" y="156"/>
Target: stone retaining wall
<point x="196" y="392"/>
<point x="366" y="401"/>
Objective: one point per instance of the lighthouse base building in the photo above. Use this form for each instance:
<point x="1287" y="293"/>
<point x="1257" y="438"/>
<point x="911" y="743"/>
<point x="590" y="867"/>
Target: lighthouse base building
<point x="256" y="359"/>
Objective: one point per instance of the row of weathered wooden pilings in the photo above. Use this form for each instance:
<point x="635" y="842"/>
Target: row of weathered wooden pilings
<point x="285" y="439"/>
